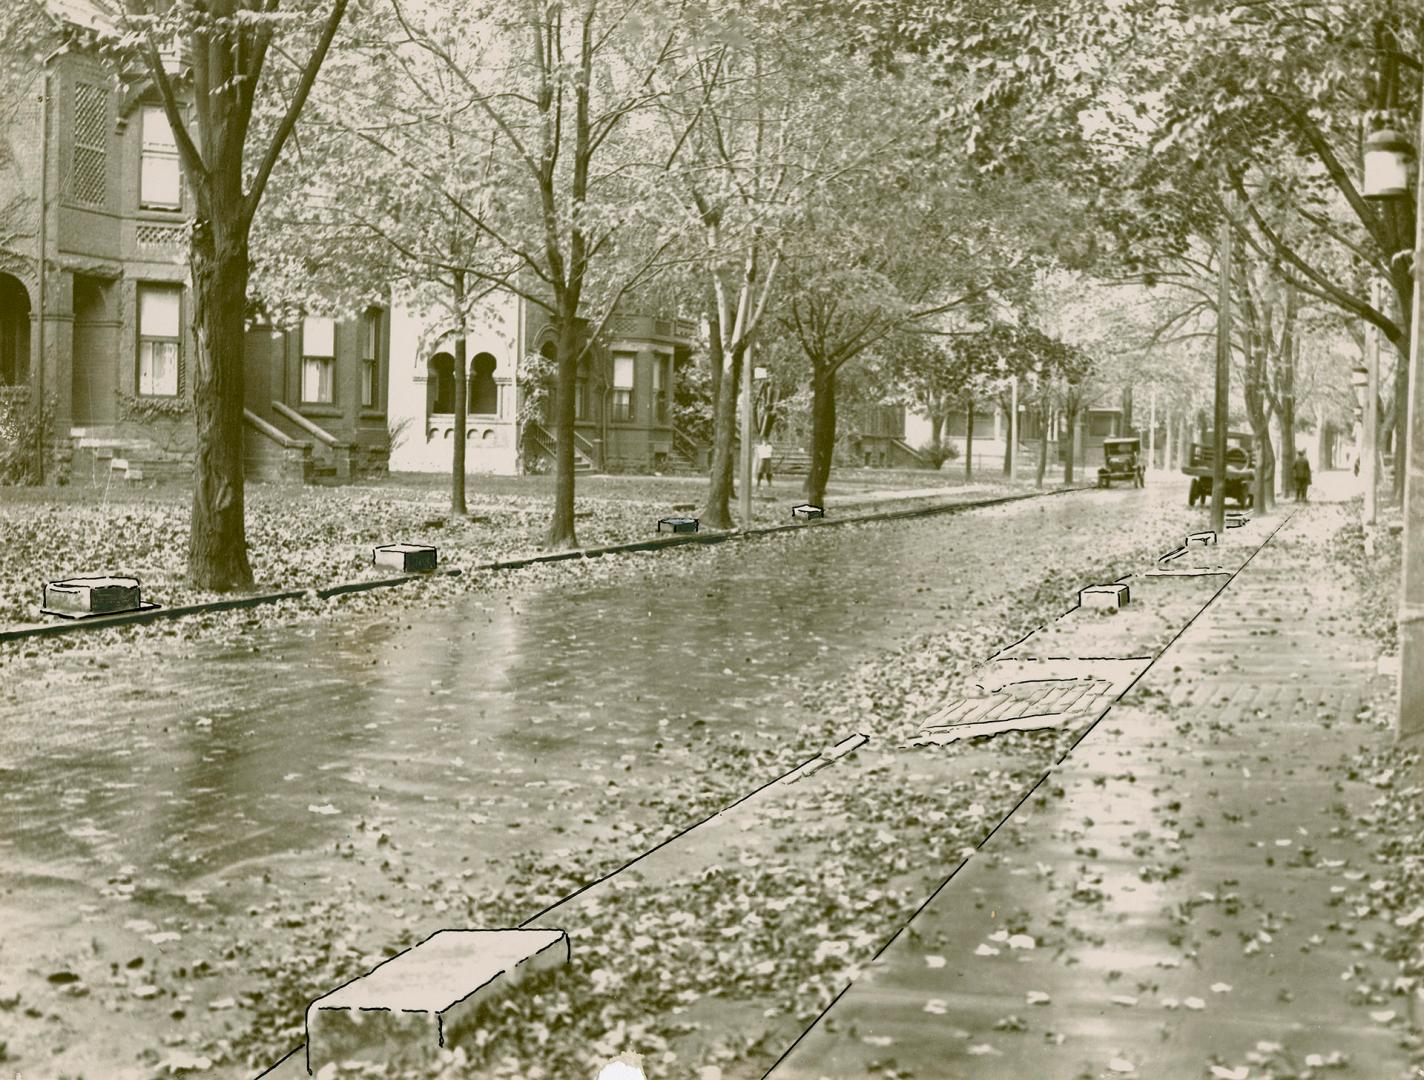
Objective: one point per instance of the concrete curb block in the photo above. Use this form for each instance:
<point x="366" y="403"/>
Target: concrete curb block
<point x="236" y="603"/>
<point x="413" y="1003"/>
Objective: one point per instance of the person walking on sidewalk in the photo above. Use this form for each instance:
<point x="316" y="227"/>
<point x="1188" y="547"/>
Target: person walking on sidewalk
<point x="1300" y="474"/>
<point x="763" y="456"/>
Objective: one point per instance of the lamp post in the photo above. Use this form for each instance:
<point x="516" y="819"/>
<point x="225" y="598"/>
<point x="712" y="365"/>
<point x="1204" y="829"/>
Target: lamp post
<point x="1387" y="156"/>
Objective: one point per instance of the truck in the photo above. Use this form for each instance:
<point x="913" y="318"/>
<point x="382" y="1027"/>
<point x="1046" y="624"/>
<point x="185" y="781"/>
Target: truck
<point x="1240" y="468"/>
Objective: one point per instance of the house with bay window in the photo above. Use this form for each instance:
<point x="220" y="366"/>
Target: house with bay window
<point x="622" y="392"/>
<point x="90" y="187"/>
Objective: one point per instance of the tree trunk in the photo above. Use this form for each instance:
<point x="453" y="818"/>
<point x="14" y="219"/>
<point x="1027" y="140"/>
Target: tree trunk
<point x="936" y="431"/>
<point x="1287" y="438"/>
<point x="457" y="462"/>
<point x="1010" y="433"/>
<point x="1072" y="414"/>
<point x="561" y="524"/>
<point x="1126" y="411"/>
<point x="823" y="436"/>
<point x="1042" y="445"/>
<point x="1401" y="413"/>
<point x="717" y="514"/>
<point x="217" y="541"/>
<point x="969" y="441"/>
<point x="1258" y="413"/>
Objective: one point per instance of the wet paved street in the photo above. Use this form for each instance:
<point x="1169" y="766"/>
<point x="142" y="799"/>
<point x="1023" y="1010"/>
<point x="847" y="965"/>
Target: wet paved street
<point x="150" y="789"/>
<point x="151" y="764"/>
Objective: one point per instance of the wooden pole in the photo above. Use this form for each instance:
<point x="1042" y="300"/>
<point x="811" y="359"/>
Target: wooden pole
<point x="1223" y="374"/>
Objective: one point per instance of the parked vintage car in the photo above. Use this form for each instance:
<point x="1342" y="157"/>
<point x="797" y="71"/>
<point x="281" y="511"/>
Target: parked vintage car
<point x="1121" y="461"/>
<point x="1240" y="468"/>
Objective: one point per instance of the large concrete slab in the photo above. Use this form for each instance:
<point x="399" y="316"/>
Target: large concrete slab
<point x="408" y="1007"/>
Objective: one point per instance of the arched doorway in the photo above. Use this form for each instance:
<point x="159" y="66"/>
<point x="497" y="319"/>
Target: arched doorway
<point x="14" y="332"/>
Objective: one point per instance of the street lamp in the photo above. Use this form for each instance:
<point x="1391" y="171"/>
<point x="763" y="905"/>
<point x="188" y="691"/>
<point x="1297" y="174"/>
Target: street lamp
<point x="1360" y="381"/>
<point x="1387" y="156"/>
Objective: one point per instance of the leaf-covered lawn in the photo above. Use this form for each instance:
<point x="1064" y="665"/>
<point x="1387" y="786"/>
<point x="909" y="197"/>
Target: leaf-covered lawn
<point x="308" y="537"/>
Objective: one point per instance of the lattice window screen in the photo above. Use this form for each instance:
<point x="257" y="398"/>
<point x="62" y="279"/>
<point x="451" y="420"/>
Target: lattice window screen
<point x="88" y="173"/>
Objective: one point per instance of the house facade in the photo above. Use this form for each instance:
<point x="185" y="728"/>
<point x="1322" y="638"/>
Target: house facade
<point x="622" y="396"/>
<point x="1100" y="420"/>
<point x="90" y="187"/>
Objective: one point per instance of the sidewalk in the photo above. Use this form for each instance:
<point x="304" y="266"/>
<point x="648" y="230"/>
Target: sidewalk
<point x="1185" y="895"/>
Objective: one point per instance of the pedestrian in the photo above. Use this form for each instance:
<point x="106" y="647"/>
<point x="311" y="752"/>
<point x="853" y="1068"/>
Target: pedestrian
<point x="763" y="456"/>
<point x="1300" y="473"/>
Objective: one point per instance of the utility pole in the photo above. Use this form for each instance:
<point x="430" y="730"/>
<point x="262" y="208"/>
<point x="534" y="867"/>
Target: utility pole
<point x="1152" y="430"/>
<point x="1223" y="374"/>
<point x="1369" y="452"/>
<point x="1410" y="721"/>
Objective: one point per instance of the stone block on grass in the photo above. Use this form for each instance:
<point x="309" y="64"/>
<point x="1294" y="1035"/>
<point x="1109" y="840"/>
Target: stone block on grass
<point x="77" y="597"/>
<point x="807" y="511"/>
<point x="410" y="558"/>
<point x="677" y="524"/>
<point x="1104" y="597"/>
<point x="408" y="1007"/>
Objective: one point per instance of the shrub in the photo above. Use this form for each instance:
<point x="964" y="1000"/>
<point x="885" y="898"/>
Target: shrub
<point x="936" y="454"/>
<point x="22" y="434"/>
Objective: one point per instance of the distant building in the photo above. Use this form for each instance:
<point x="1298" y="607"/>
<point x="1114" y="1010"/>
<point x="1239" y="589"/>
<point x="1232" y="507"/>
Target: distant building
<point x="1103" y="419"/>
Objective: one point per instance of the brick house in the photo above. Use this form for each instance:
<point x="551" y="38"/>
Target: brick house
<point x="107" y="334"/>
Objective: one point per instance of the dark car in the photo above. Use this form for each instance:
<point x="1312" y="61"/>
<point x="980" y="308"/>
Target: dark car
<point x="1240" y="468"/>
<point x="1121" y="461"/>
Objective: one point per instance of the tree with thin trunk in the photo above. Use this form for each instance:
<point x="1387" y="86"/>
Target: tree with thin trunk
<point x="393" y="193"/>
<point x="565" y="87"/>
<point x="891" y="258"/>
